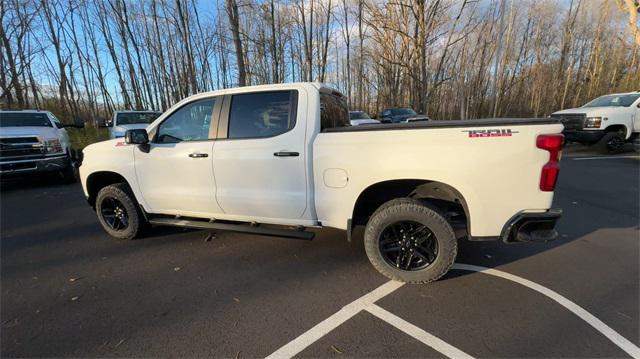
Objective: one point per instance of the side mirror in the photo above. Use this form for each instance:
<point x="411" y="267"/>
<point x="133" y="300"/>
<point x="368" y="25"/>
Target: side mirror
<point x="136" y="137"/>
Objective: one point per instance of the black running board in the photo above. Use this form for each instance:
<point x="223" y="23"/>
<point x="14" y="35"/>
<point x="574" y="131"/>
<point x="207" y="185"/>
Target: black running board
<point x="243" y="228"/>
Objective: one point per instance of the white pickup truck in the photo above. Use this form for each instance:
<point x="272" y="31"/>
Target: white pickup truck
<point x="279" y="159"/>
<point x="34" y="141"/>
<point x="608" y="121"/>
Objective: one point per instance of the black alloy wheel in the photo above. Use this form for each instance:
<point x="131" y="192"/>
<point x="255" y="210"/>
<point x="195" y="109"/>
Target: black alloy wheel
<point x="114" y="214"/>
<point x="408" y="245"/>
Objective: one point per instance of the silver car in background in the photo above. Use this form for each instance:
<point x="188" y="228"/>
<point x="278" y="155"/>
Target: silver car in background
<point x="361" y="118"/>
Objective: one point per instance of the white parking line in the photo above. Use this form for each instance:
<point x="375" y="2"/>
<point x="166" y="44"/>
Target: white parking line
<point x="596" y="323"/>
<point x="601" y="158"/>
<point x="426" y="338"/>
<point x="321" y="329"/>
<point x="367" y="301"/>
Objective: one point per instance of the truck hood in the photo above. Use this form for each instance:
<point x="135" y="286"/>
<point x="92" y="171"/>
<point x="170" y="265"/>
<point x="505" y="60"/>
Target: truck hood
<point x="20" y="131"/>
<point x="596" y="111"/>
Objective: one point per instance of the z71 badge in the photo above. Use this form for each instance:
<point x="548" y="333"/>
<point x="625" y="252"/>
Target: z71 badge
<point x="491" y="133"/>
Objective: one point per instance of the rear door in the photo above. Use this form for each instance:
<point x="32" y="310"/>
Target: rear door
<point x="259" y="156"/>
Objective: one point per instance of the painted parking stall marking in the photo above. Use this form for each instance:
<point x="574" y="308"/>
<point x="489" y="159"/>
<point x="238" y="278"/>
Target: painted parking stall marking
<point x="417" y="333"/>
<point x="323" y="328"/>
<point x="596" y="323"/>
<point x="367" y="303"/>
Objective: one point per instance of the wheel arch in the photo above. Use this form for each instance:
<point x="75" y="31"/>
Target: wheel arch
<point x="444" y="196"/>
<point x="98" y="180"/>
<point x="618" y="128"/>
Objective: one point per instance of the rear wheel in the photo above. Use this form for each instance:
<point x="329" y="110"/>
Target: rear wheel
<point x="118" y="212"/>
<point x="409" y="241"/>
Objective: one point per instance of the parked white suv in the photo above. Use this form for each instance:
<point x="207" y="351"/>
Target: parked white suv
<point x="608" y="121"/>
<point x="249" y="158"/>
<point x="130" y="120"/>
<point x="34" y="141"/>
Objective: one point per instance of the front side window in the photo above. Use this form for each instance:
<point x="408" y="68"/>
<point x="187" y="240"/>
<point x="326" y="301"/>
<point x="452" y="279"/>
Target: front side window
<point x="262" y="114"/>
<point x="190" y="123"/>
<point x="333" y="111"/>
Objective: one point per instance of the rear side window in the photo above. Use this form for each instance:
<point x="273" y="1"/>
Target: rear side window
<point x="333" y="111"/>
<point x="262" y="114"/>
<point x="13" y="119"/>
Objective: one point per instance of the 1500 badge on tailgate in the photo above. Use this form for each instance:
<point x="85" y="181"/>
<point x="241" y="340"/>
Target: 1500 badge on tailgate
<point x="491" y="133"/>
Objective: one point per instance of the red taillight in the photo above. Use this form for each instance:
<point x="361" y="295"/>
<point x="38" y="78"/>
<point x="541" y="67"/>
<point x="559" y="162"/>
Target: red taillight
<point x="551" y="169"/>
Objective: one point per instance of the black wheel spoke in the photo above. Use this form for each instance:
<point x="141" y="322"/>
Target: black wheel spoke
<point x="391" y="249"/>
<point x="114" y="214"/>
<point x="421" y="256"/>
<point x="388" y="240"/>
<point x="408" y="245"/>
<point x="409" y="257"/>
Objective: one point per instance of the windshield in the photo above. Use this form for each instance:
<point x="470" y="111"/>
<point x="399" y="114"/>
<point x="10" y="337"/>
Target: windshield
<point x="358" y="115"/>
<point x="13" y="119"/>
<point x="130" y="118"/>
<point x="402" y="111"/>
<point x="614" y="100"/>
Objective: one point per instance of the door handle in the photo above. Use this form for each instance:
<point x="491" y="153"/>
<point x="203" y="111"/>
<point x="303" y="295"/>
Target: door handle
<point x="198" y="155"/>
<point x="286" y="154"/>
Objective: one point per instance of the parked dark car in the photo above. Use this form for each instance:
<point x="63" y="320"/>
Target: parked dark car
<point x="400" y="114"/>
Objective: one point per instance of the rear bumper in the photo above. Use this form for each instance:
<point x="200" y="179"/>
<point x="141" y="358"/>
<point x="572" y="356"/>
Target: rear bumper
<point x="47" y="164"/>
<point x="583" y="136"/>
<point x="532" y="227"/>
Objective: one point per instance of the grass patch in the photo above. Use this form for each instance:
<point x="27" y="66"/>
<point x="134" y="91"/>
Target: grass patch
<point x="83" y="137"/>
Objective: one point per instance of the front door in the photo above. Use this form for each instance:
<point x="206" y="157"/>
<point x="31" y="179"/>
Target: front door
<point x="260" y="166"/>
<point x="176" y="174"/>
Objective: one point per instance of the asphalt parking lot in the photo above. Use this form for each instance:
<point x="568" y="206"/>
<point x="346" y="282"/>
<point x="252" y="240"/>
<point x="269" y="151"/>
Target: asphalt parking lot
<point x="69" y="290"/>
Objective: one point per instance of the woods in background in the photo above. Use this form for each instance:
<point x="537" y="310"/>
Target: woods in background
<point x="449" y="59"/>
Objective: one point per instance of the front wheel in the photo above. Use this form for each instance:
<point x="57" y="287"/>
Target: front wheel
<point x="611" y="143"/>
<point x="408" y="241"/>
<point x="118" y="212"/>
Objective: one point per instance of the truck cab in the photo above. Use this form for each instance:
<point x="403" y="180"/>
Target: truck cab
<point x="607" y="121"/>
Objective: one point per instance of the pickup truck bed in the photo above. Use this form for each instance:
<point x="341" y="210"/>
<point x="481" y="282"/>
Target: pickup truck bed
<point x="492" y="177"/>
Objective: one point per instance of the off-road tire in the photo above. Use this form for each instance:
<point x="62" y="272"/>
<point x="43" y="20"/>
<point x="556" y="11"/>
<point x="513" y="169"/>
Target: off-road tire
<point x="603" y="144"/>
<point x="403" y="209"/>
<point x="122" y="193"/>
